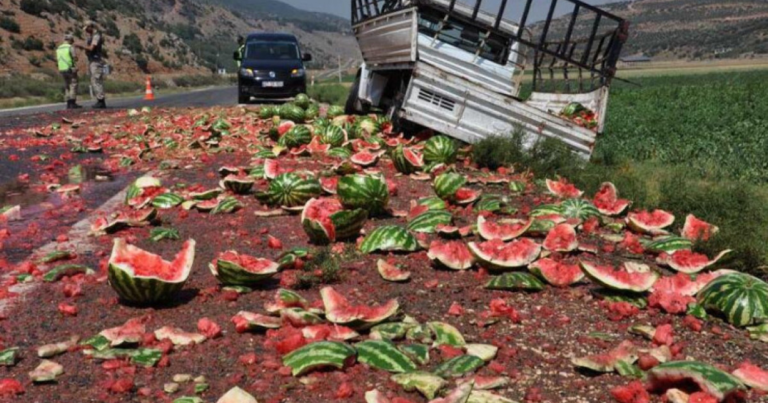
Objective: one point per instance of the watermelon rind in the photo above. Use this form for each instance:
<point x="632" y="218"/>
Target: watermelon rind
<point x="339" y="311"/>
<point x="515" y="281"/>
<point x="231" y="273"/>
<point x="238" y="185"/>
<point x="425" y="383"/>
<point x="438" y="254"/>
<point x="407" y="160"/>
<point x="486" y="229"/>
<point x="644" y="277"/>
<point x="322" y="354"/>
<point x="717" y="383"/>
<point x="579" y="208"/>
<point x="383" y="355"/>
<point x="167" y="201"/>
<point x="147" y="289"/>
<point x="367" y="192"/>
<point x="740" y="297"/>
<point x="542" y="268"/>
<point x="686" y="265"/>
<point x="447" y="184"/>
<point x="446" y="334"/>
<point x="428" y="221"/>
<point x="440" y="149"/>
<point x="668" y="244"/>
<point x="290" y="190"/>
<point x="346" y="224"/>
<point x="495" y="263"/>
<point x="607" y="362"/>
<point x="391" y="272"/>
<point x="636" y="223"/>
<point x="459" y="366"/>
<point x="390" y="238"/>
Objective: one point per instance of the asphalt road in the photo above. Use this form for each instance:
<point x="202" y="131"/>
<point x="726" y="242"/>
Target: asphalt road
<point x="197" y="98"/>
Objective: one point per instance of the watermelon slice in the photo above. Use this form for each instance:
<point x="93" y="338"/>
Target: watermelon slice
<point x="391" y="272"/>
<point x="503" y="230"/>
<point x="365" y="158"/>
<point x="338" y="310"/>
<point x="683" y="283"/>
<point x="461" y="394"/>
<point x="500" y="256"/>
<point x="143" y="278"/>
<point x="326" y="221"/>
<point x="752" y="376"/>
<point x="652" y="223"/>
<point x="245" y="321"/>
<point x="607" y="362"/>
<point x="607" y="200"/>
<point x="710" y="379"/>
<point x="698" y="230"/>
<point x="327" y="332"/>
<point x="329" y="184"/>
<point x="562" y="238"/>
<point x="316" y="147"/>
<point x="285" y="127"/>
<point x="466" y="196"/>
<point x="558" y="274"/>
<point x="687" y="261"/>
<point x="232" y="268"/>
<point x="563" y="189"/>
<point x="454" y="255"/>
<point x="631" y="276"/>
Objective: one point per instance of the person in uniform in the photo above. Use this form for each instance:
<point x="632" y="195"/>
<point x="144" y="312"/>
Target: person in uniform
<point x="93" y="50"/>
<point x="66" y="58"/>
<point x="240" y="52"/>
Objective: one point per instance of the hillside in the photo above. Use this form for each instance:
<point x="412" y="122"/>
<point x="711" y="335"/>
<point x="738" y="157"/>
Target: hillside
<point x="161" y="36"/>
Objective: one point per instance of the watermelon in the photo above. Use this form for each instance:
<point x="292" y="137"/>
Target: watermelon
<point x="631" y="276"/>
<point x="335" y="136"/>
<point x="367" y="192"/>
<point x="284" y="127"/>
<point x="298" y="135"/>
<point x="390" y="238"/>
<point x="428" y="221"/>
<point x="440" y="149"/>
<point x="454" y="255"/>
<point x="232" y="268"/>
<point x="741" y="298"/>
<point x="338" y="310"/>
<point x="515" y="281"/>
<point x="238" y="184"/>
<point x="335" y="111"/>
<point x="461" y="394"/>
<point x="292" y="112"/>
<point x="326" y="221"/>
<point x="322" y="354"/>
<point x="466" y="196"/>
<point x="447" y="184"/>
<point x="504" y="230"/>
<point x="390" y="272"/>
<point x="302" y="101"/>
<point x="236" y="395"/>
<point x="383" y="355"/>
<point x="424" y="382"/>
<point x="752" y="376"/>
<point x="607" y="200"/>
<point x="711" y="380"/>
<point x="500" y="256"/>
<point x="558" y="274"/>
<point x="562" y="238"/>
<point x="266" y="112"/>
<point x="144" y="278"/>
<point x="290" y="190"/>
<point x="687" y="261"/>
<point x="698" y="230"/>
<point x="650" y="222"/>
<point x="407" y="160"/>
<point x="607" y="362"/>
<point x="563" y="189"/>
<point x="578" y="208"/>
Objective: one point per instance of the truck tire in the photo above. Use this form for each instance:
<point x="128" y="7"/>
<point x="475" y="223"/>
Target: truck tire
<point x="354" y="105"/>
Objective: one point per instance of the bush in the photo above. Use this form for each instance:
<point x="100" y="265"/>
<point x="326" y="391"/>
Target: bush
<point x="32" y="43"/>
<point x="33" y="7"/>
<point x="133" y="43"/>
<point x="546" y="157"/>
<point x="322" y="268"/>
<point x="10" y="25"/>
<point x="330" y="93"/>
<point x="111" y="29"/>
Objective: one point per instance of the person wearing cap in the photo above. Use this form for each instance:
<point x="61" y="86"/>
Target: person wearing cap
<point x="93" y="50"/>
<point x="240" y="52"/>
<point x="66" y="58"/>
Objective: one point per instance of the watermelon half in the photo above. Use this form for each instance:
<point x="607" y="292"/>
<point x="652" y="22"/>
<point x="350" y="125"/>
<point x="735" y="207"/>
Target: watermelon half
<point x="232" y="268"/>
<point x="454" y="255"/>
<point x="562" y="238"/>
<point x="499" y="255"/>
<point x="652" y="222"/>
<point x="558" y="274"/>
<point x="607" y="200"/>
<point x="689" y="262"/>
<point x="143" y="278"/>
<point x="698" y="230"/>
<point x="504" y="230"/>
<point x="338" y="310"/>
<point x="563" y="189"/>
<point x="631" y="276"/>
<point x="326" y="221"/>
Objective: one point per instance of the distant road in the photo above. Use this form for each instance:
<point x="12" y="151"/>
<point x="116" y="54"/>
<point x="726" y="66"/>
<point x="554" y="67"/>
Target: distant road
<point x="197" y="98"/>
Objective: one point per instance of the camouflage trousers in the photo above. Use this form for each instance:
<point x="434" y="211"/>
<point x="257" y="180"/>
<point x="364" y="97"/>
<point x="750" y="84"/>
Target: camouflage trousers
<point x="70" y="84"/>
<point x="96" y="69"/>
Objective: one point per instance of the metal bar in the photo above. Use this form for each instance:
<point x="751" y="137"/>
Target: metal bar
<point x="596" y="10"/>
<point x="501" y="14"/>
<point x="477" y="9"/>
<point x="591" y="39"/>
<point x="524" y="19"/>
<point x="545" y="31"/>
<point x="572" y="24"/>
<point x="451" y="6"/>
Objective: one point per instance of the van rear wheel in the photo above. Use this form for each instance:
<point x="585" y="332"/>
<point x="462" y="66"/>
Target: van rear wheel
<point x="354" y="105"/>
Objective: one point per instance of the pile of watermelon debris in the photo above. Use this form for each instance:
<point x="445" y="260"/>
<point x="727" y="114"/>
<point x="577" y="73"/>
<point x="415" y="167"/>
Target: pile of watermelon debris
<point x="297" y="254"/>
<point x="580" y="115"/>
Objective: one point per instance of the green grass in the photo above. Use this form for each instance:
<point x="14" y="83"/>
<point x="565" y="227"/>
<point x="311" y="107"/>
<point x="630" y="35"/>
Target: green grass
<point x="335" y="94"/>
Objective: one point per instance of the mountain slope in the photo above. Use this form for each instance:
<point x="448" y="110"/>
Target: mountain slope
<point x="161" y="36"/>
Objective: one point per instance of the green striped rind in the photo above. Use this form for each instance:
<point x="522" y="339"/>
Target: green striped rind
<point x="206" y="195"/>
<point x="492" y="203"/>
<point x="290" y="190"/>
<point x="446" y="185"/>
<point x="56" y="256"/>
<point x="258" y="171"/>
<point x="333" y="135"/>
<point x="230" y="273"/>
<point x="515" y="281"/>
<point x="226" y="206"/>
<point x="628" y="370"/>
<point x="696" y="310"/>
<point x="547" y="209"/>
<point x="390" y="331"/>
<point x="321" y="354"/>
<point x="391" y="238"/>
<point x="263" y="153"/>
<point x="433" y="203"/>
<point x="516" y="187"/>
<point x="425" y="383"/>
<point x="141" y="290"/>
<point x="158" y="234"/>
<point x="293" y="113"/>
<point x="485" y="352"/>
<point x="383" y="355"/>
<point x="419" y="353"/>
<point x="759" y="332"/>
<point x="8" y="357"/>
<point x="717" y="383"/>
<point x="299" y="317"/>
<point x="365" y="192"/>
<point x="334" y="111"/>
<point x="419" y="333"/>
<point x="64" y="270"/>
<point x="339" y="152"/>
<point x="440" y="149"/>
<point x="348" y="223"/>
<point x="459" y="366"/>
<point x="298" y="135"/>
<point x="637" y="300"/>
<point x="167" y="200"/>
<point x="312" y="112"/>
<point x="98" y="342"/>
<point x="238" y="185"/>
<point x="579" y="208"/>
<point x="428" y="221"/>
<point x="668" y="244"/>
<point x="146" y="357"/>
<point x="402" y="164"/>
<point x="446" y="334"/>
<point x="266" y="112"/>
<point x="741" y="298"/>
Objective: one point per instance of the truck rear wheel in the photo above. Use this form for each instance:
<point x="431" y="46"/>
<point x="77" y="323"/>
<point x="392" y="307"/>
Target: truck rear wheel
<point x="354" y="105"/>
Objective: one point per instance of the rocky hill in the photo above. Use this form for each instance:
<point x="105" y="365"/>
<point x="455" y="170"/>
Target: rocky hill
<point x="161" y="36"/>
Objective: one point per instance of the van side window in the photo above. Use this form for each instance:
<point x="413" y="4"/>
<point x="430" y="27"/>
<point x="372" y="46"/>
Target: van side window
<point x="464" y="36"/>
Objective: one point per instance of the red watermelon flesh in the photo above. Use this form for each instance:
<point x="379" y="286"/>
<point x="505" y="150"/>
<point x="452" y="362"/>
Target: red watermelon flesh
<point x="687" y="261"/>
<point x="249" y="263"/>
<point x="496" y="253"/>
<point x="207" y="205"/>
<point x="563" y="189"/>
<point x="144" y="264"/>
<point x="698" y="230"/>
<point x="391" y="272"/>
<point x="466" y="196"/>
<point x="606" y="362"/>
<point x="650" y="222"/>
<point x="327" y="332"/>
<point x="271" y="168"/>
<point x="316" y="147"/>
<point x="630" y="276"/>
<point x="454" y="255"/>
<point x="417" y="210"/>
<point x="562" y="238"/>
<point x="321" y="210"/>
<point x="505" y="231"/>
<point x="339" y="310"/>
<point x="558" y="274"/>
<point x="329" y="185"/>
<point x="607" y="200"/>
<point x="683" y="284"/>
<point x="285" y="127"/>
<point x="415" y="158"/>
<point x="753" y="376"/>
<point x="365" y="158"/>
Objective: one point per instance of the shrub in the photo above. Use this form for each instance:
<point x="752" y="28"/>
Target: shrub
<point x="133" y="43"/>
<point x="546" y="157"/>
<point x="322" y="268"/>
<point x="111" y="29"/>
<point x="330" y="93"/>
<point x="9" y="24"/>
<point x="33" y="7"/>
<point x="32" y="43"/>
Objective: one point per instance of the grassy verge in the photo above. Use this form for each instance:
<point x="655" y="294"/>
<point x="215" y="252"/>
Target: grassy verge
<point x="335" y="94"/>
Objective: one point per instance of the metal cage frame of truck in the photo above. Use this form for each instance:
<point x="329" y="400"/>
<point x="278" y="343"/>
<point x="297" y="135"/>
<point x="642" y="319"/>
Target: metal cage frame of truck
<point x="458" y="69"/>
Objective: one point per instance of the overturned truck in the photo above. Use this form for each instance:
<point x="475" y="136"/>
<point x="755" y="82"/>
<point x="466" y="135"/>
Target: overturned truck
<point x="458" y="68"/>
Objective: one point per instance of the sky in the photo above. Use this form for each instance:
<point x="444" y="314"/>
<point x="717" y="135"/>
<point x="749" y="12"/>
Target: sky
<point x="342" y="7"/>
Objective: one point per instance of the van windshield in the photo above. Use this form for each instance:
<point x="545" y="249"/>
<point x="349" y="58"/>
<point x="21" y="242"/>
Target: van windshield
<point x="272" y="51"/>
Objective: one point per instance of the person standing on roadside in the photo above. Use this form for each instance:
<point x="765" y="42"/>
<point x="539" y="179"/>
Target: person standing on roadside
<point x="93" y="50"/>
<point x="240" y="52"/>
<point x="66" y="58"/>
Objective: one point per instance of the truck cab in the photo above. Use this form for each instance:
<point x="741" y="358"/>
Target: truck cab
<point x="458" y="67"/>
<point x="272" y="68"/>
